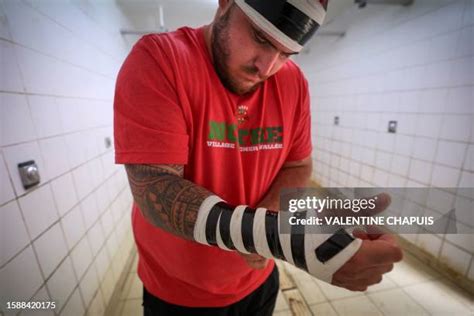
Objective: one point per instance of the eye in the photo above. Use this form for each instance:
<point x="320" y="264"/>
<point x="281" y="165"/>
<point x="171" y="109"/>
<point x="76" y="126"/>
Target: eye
<point x="259" y="39"/>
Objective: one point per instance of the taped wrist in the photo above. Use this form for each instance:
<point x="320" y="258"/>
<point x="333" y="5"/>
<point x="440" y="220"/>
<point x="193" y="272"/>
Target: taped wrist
<point x="251" y="230"/>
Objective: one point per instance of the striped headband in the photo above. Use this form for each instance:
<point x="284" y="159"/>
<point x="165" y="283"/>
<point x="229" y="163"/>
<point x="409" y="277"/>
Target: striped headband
<point x="290" y="22"/>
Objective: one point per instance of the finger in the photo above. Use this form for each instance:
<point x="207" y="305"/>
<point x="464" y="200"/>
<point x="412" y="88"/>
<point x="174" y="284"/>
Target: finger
<point x="251" y="256"/>
<point x="257" y="260"/>
<point x="382" y="269"/>
<point x="388" y="238"/>
<point x="352" y="287"/>
<point x="359" y="233"/>
<point x="379" y="252"/>
<point x="364" y="274"/>
<point x="382" y="201"/>
<point x="359" y="289"/>
<point x="373" y="232"/>
<point x="258" y="265"/>
<point x="373" y="271"/>
<point x="362" y="283"/>
<point x="375" y="279"/>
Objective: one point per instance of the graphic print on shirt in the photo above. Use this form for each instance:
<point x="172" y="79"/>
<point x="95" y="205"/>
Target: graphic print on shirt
<point x="230" y="136"/>
<point x="242" y="115"/>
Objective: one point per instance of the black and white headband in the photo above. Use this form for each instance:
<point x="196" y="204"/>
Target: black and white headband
<point x="290" y="22"/>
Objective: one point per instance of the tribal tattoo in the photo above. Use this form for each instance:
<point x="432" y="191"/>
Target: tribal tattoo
<point x="166" y="199"/>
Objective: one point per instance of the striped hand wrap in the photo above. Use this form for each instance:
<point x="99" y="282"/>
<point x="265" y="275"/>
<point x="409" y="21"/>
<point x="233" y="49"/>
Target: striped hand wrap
<point x="258" y="231"/>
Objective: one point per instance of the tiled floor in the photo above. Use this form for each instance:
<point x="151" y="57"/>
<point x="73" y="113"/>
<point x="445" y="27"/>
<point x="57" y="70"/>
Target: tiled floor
<point x="410" y="289"/>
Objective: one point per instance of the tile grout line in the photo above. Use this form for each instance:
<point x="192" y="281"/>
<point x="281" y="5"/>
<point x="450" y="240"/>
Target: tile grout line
<point x="72" y="32"/>
<point x="59" y="219"/>
<point x="38" y="139"/>
<point x="27" y="93"/>
<point x="56" y="59"/>
<point x="49" y="181"/>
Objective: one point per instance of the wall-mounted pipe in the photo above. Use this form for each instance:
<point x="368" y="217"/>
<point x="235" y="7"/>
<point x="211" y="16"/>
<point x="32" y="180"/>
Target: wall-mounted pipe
<point x="331" y="33"/>
<point x="363" y="3"/>
<point x="138" y="32"/>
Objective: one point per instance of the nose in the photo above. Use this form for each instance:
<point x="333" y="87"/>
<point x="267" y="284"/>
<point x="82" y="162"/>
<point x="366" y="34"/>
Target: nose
<point x="267" y="63"/>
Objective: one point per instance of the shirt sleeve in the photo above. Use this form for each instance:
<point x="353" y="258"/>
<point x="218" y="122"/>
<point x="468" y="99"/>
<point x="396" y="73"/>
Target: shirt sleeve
<point x="301" y="146"/>
<point x="149" y="125"/>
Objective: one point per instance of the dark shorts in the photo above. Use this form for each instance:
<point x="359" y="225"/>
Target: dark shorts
<point x="259" y="302"/>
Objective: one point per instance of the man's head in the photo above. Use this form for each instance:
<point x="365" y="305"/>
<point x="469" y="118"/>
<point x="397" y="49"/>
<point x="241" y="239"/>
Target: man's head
<point x="250" y="44"/>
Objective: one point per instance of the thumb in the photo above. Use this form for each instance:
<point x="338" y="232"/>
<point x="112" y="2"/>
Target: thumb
<point x="380" y="252"/>
<point x="381" y="201"/>
<point x="359" y="233"/>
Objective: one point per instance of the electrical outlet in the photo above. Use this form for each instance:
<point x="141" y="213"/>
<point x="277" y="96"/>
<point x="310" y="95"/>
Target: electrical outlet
<point x="392" y="126"/>
<point x="29" y="174"/>
<point x="107" y="142"/>
<point x="336" y="120"/>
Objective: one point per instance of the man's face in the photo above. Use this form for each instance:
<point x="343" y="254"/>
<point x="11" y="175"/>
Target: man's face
<point x="243" y="55"/>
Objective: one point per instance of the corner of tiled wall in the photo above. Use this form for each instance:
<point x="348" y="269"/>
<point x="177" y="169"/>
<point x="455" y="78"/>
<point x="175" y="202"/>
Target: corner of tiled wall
<point x="413" y="65"/>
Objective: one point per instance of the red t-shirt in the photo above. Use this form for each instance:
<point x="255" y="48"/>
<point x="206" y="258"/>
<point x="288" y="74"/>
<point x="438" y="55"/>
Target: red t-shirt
<point x="171" y="108"/>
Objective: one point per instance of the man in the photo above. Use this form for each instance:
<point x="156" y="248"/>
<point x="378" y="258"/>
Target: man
<point x="216" y="114"/>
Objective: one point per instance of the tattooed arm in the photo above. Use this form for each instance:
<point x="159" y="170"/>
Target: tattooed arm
<point x="166" y="199"/>
<point x="170" y="202"/>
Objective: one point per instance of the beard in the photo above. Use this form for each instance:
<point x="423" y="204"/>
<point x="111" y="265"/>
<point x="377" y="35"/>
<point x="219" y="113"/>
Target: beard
<point x="221" y="55"/>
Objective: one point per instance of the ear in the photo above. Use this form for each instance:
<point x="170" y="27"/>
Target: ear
<point x="223" y="4"/>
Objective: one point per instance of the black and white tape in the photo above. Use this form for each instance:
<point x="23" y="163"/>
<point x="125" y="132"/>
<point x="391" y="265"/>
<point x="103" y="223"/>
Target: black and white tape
<point x="258" y="231"/>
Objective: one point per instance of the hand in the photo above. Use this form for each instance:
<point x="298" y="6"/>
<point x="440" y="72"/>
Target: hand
<point x="382" y="201"/>
<point x="375" y="257"/>
<point x="254" y="261"/>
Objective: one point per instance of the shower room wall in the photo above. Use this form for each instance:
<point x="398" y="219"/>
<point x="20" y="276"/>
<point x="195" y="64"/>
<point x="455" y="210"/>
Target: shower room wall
<point x="413" y="65"/>
<point x="67" y="239"/>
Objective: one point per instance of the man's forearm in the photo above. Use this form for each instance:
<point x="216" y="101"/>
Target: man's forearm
<point x="187" y="210"/>
<point x="166" y="199"/>
<point x="170" y="202"/>
<point x="288" y="177"/>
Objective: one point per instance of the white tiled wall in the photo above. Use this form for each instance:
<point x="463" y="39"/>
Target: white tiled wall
<point x="414" y="65"/>
<point x="65" y="240"/>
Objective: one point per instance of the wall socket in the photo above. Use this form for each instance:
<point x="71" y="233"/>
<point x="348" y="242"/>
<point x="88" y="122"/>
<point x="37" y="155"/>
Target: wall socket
<point x="29" y="174"/>
<point x="107" y="142"/>
<point x="392" y="126"/>
<point x="336" y="120"/>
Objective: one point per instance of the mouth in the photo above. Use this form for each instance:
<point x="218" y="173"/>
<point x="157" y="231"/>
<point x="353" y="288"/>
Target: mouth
<point x="252" y="78"/>
<point x="251" y="81"/>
